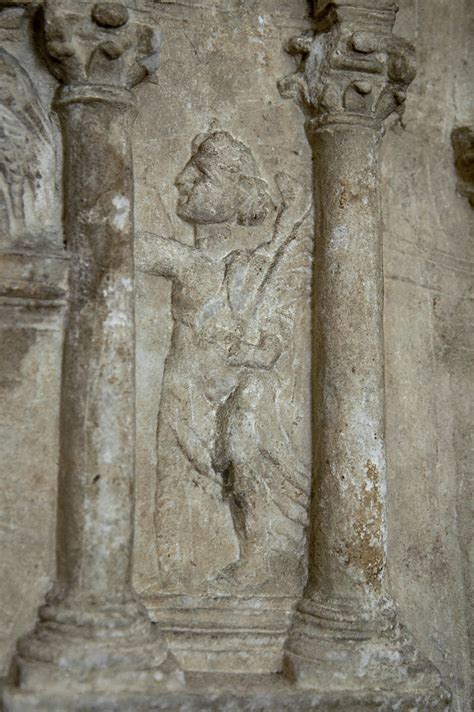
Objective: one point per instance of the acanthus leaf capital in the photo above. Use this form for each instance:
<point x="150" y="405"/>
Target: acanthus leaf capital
<point x="350" y="70"/>
<point x="103" y="44"/>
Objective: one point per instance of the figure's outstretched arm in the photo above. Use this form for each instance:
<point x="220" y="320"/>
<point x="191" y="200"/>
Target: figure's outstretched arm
<point x="164" y="256"/>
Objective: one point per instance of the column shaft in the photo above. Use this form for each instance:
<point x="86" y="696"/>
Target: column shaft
<point x="347" y="548"/>
<point x="97" y="415"/>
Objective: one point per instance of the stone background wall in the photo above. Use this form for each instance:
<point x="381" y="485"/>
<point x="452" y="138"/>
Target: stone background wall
<point x="428" y="253"/>
<point x="221" y="59"/>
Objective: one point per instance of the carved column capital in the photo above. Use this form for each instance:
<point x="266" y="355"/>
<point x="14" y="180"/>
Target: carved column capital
<point x="105" y="44"/>
<point x="352" y="69"/>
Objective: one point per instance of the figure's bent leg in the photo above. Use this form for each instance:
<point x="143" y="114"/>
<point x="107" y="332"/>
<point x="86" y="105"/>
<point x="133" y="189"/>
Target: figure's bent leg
<point x="196" y="537"/>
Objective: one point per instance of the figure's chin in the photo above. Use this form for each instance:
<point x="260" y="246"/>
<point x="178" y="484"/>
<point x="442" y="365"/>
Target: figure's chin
<point x="199" y="213"/>
<point x="197" y="217"/>
<point x="183" y="212"/>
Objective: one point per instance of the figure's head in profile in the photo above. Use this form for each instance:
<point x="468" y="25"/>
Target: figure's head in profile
<point x="221" y="184"/>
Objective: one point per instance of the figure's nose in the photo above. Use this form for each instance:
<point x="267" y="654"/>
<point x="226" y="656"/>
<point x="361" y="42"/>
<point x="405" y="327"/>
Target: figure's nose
<point x="188" y="176"/>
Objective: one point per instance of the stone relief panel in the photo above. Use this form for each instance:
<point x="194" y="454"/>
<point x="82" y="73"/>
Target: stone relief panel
<point x="236" y="54"/>
<point x="33" y="288"/>
<point x="28" y="204"/>
<point x="233" y="478"/>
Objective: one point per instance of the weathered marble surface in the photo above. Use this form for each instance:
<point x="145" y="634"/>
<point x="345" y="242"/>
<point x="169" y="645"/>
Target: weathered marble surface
<point x="235" y="54"/>
<point x="218" y="87"/>
<point x="233" y="473"/>
<point x="225" y="72"/>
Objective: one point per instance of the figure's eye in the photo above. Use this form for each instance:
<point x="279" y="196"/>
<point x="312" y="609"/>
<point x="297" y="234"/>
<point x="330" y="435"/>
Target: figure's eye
<point x="202" y="168"/>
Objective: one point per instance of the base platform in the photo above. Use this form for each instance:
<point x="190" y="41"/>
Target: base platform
<point x="207" y="692"/>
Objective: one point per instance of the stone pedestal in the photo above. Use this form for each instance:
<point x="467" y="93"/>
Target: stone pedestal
<point x="93" y="638"/>
<point x="224" y="633"/>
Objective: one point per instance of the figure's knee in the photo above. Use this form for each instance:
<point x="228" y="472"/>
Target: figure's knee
<point x="242" y="434"/>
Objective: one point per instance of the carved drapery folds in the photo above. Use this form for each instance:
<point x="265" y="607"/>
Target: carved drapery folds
<point x="28" y="215"/>
<point x="92" y="624"/>
<point x="33" y="265"/>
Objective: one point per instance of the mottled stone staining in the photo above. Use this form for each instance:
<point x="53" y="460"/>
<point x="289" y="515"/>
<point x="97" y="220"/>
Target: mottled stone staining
<point x="15" y="344"/>
<point x="367" y="547"/>
<point x="462" y="140"/>
<point x="364" y="548"/>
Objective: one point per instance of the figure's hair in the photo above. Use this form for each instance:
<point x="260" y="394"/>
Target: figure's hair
<point x="253" y="202"/>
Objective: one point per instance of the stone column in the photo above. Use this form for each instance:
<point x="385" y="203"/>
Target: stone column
<point x="92" y="631"/>
<point x="353" y="75"/>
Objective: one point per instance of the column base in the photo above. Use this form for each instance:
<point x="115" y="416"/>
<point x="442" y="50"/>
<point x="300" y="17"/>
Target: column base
<point x="97" y="654"/>
<point x="335" y="646"/>
<point x="112" y="660"/>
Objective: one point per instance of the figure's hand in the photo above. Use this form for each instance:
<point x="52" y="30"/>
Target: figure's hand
<point x="270" y="349"/>
<point x="295" y="198"/>
<point x="234" y="349"/>
<point x="262" y="355"/>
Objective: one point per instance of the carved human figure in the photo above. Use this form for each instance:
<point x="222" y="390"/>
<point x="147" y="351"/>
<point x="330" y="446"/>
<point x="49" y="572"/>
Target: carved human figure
<point x="228" y="504"/>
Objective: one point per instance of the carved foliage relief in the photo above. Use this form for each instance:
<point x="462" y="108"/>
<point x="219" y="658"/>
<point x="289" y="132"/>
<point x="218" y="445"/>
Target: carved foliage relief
<point x="28" y="203"/>
<point x="234" y="473"/>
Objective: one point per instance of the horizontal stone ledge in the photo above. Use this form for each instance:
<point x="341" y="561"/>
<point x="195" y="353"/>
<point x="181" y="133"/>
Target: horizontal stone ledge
<point x="33" y="279"/>
<point x="241" y="693"/>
